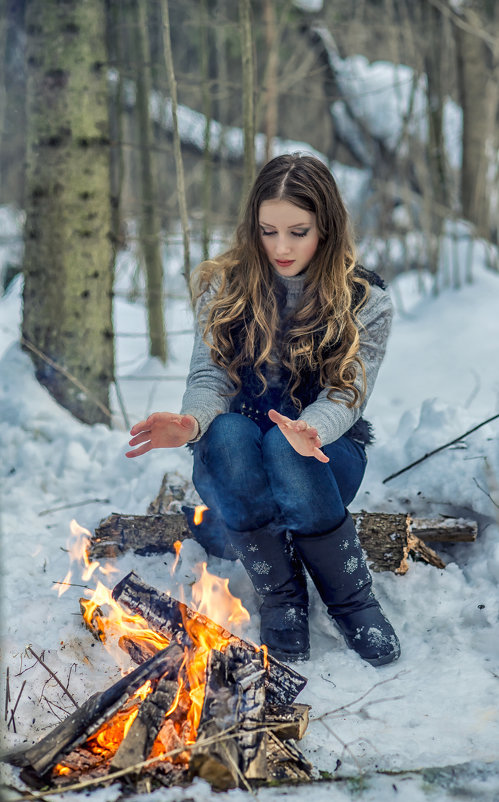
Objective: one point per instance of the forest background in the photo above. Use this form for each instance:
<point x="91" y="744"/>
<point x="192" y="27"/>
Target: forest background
<point x="129" y="133"/>
<point x="139" y="125"/>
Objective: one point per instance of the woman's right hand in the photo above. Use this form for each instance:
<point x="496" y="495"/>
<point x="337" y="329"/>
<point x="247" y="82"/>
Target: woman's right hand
<point x="162" y="430"/>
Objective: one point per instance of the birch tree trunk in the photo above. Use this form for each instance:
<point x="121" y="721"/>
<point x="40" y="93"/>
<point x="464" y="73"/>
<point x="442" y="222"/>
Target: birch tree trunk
<point x="149" y="226"/>
<point x="67" y="315"/>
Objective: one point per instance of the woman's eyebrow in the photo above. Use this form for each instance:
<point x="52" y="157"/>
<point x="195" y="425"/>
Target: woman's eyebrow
<point x="295" y="225"/>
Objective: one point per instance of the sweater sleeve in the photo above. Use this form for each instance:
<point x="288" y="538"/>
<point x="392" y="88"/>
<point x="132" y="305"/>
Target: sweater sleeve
<point x="333" y="418"/>
<point x="208" y="386"/>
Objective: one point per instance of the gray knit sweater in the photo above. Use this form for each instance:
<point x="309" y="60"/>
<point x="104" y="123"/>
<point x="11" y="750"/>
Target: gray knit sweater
<point x="207" y="384"/>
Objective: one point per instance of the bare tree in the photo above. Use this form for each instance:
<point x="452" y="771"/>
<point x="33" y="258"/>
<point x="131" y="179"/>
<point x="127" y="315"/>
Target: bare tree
<point x="182" y="202"/>
<point x="149" y="225"/>
<point x="248" y="88"/>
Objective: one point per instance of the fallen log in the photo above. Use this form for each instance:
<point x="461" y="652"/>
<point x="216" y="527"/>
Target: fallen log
<point x="388" y="542"/>
<point x="143" y="534"/>
<point x="99" y="708"/>
<point x="388" y="538"/>
<point x="166" y="615"/>
<point x="445" y="530"/>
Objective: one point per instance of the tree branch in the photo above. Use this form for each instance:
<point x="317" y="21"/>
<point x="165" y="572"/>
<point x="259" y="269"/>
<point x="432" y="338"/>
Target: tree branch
<point x="440" y="448"/>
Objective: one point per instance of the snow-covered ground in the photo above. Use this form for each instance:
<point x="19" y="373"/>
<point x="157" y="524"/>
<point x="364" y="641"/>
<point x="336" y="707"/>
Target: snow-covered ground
<point x="437" y="706"/>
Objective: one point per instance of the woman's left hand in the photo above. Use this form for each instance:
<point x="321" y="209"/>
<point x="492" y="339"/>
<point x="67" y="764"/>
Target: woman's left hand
<point x="300" y="435"/>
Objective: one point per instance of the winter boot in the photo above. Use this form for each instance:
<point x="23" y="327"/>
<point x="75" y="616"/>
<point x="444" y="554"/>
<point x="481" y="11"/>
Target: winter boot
<point x="278" y="577"/>
<point x="339" y="572"/>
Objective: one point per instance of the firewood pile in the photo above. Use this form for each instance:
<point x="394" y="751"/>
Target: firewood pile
<point x="140" y="729"/>
<point x="201" y="701"/>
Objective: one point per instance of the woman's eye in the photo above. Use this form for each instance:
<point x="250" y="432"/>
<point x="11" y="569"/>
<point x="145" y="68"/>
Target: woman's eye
<point x="300" y="233"/>
<point x="267" y="233"/>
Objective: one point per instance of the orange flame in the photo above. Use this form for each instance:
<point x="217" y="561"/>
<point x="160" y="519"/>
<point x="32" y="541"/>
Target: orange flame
<point x="199" y="512"/>
<point x="78" y="545"/>
<point x="177" y="546"/>
<point x="117" y="623"/>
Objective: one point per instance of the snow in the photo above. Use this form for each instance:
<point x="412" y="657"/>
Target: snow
<point x="436" y="706"/>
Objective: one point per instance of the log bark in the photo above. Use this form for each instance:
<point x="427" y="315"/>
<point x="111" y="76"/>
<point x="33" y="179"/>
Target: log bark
<point x="445" y="530"/>
<point x="144" y="534"/>
<point x="157" y="533"/>
<point x="388" y="541"/>
<point x="100" y="707"/>
<point x="166" y="615"/>
<point x="234" y="701"/>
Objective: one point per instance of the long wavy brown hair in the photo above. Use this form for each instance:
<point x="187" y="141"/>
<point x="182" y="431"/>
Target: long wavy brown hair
<point x="242" y="320"/>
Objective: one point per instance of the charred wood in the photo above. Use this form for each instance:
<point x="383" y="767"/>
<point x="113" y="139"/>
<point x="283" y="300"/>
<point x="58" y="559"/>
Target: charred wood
<point x="287" y="721"/>
<point x="166" y="615"/>
<point x="139" y="740"/>
<point x="87" y="719"/>
<point x="285" y="762"/>
<point x="234" y="703"/>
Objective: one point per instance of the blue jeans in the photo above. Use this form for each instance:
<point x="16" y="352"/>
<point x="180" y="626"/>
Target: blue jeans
<point x="250" y="479"/>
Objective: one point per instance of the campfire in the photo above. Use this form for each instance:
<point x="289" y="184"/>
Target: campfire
<point x="200" y="702"/>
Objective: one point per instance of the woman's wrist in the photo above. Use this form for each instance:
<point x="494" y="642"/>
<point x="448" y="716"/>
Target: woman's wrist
<point x="197" y="430"/>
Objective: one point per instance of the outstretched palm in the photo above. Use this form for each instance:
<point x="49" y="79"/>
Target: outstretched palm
<point x="304" y="438"/>
<point x="162" y="430"/>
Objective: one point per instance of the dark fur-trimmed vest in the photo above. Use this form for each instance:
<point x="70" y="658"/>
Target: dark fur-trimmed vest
<point x="250" y="401"/>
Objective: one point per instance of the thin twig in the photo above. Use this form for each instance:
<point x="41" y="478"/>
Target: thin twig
<point x="359" y="698"/>
<point x="441" y="448"/>
<point x="7" y="694"/>
<point x="45" y="666"/>
<point x="486" y="492"/>
<point x="74" y="504"/>
<point x="70" y="584"/>
<point x="12" y="719"/>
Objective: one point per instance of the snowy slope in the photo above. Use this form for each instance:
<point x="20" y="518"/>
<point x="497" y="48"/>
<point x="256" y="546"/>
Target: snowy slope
<point x="438" y="704"/>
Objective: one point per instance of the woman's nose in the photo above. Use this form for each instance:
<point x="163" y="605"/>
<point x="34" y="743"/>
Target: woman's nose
<point x="282" y="246"/>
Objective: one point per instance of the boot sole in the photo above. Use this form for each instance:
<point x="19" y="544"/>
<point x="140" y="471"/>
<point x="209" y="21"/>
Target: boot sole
<point x="382" y="660"/>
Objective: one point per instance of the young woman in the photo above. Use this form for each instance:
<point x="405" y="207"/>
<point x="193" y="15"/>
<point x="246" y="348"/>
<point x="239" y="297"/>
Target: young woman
<point x="289" y="338"/>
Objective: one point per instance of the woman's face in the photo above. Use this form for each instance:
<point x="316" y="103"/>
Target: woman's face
<point x="289" y="236"/>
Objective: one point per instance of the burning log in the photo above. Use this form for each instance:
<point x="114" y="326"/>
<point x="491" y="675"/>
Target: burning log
<point x="138" y="743"/>
<point x="234" y="703"/>
<point x="146" y="534"/>
<point x="99" y="708"/>
<point x="166" y="615"/>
